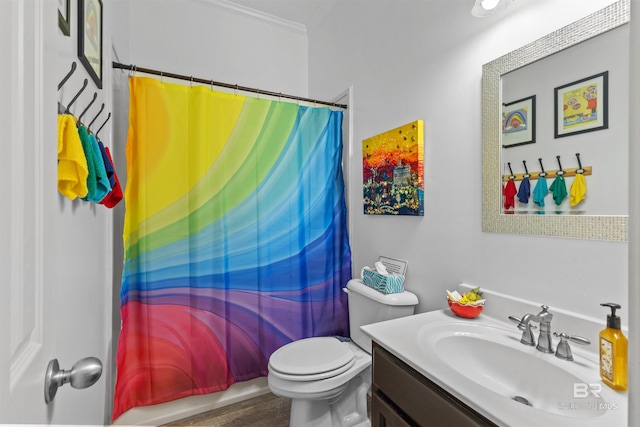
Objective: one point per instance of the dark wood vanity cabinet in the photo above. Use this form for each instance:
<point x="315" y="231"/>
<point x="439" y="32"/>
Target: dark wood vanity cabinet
<point x="403" y="397"/>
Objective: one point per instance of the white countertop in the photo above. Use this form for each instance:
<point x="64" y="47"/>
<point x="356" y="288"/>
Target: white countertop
<point x="401" y="337"/>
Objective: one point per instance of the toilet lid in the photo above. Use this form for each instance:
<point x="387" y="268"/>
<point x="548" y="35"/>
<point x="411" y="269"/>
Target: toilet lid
<point x="312" y="358"/>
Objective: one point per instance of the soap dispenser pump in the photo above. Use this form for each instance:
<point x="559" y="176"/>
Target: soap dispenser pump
<point x="613" y="352"/>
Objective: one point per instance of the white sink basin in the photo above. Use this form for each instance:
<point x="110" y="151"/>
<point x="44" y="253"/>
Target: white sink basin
<point x="495" y="359"/>
<point x="482" y="362"/>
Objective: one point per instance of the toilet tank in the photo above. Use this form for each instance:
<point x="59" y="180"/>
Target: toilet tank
<point x="366" y="306"/>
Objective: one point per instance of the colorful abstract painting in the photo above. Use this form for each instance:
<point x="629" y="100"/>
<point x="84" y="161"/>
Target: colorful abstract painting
<point x="235" y="238"/>
<point x="393" y="171"/>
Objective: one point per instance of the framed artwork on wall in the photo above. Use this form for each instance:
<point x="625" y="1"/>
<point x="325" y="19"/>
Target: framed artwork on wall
<point x="581" y="106"/>
<point x="519" y="122"/>
<point x="90" y="38"/>
<point x="393" y="171"/>
<point x="64" y="16"/>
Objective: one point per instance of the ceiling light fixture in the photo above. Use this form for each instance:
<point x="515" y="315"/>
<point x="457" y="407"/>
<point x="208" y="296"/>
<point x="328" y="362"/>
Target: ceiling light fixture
<point x="484" y="8"/>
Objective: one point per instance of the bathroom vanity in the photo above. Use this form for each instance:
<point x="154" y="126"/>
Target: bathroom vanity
<point x="434" y="369"/>
<point x="401" y="396"/>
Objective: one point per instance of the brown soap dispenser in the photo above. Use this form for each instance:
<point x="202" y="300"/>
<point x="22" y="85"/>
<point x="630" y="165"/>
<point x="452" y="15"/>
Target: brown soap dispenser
<point x="613" y="352"/>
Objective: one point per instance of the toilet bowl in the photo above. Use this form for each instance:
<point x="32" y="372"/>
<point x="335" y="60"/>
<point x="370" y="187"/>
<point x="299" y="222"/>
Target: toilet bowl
<point x="328" y="378"/>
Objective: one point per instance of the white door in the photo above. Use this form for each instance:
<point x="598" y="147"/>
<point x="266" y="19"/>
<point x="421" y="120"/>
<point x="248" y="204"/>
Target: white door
<point x="55" y="262"/>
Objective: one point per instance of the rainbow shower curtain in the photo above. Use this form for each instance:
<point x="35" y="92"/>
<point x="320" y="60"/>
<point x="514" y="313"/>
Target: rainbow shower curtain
<point x="235" y="238"/>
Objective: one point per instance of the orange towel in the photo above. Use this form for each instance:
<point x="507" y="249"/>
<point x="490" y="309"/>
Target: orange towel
<point x="72" y="164"/>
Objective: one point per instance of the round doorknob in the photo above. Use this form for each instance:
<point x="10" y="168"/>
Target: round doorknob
<point x="84" y="373"/>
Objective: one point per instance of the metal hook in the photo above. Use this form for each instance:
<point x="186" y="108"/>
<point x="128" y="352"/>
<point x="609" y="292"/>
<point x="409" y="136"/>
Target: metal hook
<point x="161" y="77"/>
<point x="95" y="95"/>
<point x="560" y="171"/>
<point x="96" y="117"/>
<point x="191" y="81"/>
<point x="580" y="170"/>
<point x="236" y="91"/>
<point x="526" y="175"/>
<point x="105" y="122"/>
<point x="64" y="80"/>
<point x="211" y="84"/>
<point x="543" y="173"/>
<point x="78" y="94"/>
<point x="512" y="176"/>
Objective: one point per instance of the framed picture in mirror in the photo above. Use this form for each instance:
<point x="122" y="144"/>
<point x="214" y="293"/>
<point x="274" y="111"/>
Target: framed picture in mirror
<point x="581" y="106"/>
<point x="519" y="122"/>
<point x="90" y="38"/>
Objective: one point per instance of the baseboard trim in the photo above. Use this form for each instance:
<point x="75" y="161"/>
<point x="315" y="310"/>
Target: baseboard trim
<point x="165" y="413"/>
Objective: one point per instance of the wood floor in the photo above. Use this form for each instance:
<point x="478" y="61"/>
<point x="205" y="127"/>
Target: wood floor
<point x="268" y="410"/>
<point x="263" y="411"/>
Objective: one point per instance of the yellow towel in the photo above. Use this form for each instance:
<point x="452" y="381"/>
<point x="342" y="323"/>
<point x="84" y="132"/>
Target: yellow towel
<point x="578" y="189"/>
<point x="72" y="164"/>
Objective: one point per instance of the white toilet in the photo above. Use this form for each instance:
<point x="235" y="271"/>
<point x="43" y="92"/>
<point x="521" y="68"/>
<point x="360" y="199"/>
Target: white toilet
<point x="327" y="378"/>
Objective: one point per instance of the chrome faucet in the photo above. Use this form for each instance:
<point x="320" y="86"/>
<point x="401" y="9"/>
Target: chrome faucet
<point x="544" y="339"/>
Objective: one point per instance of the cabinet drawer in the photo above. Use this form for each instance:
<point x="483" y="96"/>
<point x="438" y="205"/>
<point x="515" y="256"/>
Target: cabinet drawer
<point x="422" y="400"/>
<point x="384" y="414"/>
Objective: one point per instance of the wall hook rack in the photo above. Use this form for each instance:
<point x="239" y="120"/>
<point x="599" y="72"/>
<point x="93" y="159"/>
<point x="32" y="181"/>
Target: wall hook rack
<point x="78" y="94"/>
<point x="105" y="122"/>
<point x="580" y="170"/>
<point x="543" y="173"/>
<point x="560" y="171"/>
<point x="587" y="170"/>
<point x="96" y="117"/>
<point x="95" y="95"/>
<point x="64" y="80"/>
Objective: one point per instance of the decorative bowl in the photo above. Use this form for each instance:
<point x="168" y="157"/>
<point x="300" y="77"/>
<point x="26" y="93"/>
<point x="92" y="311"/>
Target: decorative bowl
<point x="465" y="310"/>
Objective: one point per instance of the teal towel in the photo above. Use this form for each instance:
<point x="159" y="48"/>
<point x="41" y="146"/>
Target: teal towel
<point x="88" y="153"/>
<point x="559" y="189"/>
<point x="540" y="191"/>
<point x="103" y="187"/>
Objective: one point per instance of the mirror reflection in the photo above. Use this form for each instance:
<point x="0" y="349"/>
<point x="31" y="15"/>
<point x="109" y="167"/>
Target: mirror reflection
<point x="567" y="131"/>
<point x="567" y="115"/>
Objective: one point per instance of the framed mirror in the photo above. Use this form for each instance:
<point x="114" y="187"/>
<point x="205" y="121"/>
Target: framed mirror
<point x="569" y="223"/>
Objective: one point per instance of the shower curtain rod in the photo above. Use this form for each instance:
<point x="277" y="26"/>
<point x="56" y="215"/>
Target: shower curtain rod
<point x="192" y="79"/>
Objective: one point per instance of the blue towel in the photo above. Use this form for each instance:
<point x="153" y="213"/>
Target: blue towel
<point x="540" y="191"/>
<point x="107" y="165"/>
<point x="524" y="192"/>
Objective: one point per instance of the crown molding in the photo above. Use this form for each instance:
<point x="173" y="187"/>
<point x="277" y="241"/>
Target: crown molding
<point x="247" y="12"/>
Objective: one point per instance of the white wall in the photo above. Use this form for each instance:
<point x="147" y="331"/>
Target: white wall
<point x="210" y="39"/>
<point x="634" y="225"/>
<point x="420" y="59"/>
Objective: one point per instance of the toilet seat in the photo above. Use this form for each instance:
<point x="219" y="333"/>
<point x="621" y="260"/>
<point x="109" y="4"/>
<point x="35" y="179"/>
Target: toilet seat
<point x="311" y="359"/>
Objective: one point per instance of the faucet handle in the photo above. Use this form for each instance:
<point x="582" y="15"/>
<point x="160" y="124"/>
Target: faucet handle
<point x="564" y="350"/>
<point x="527" y="335"/>
<point x="518" y="320"/>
